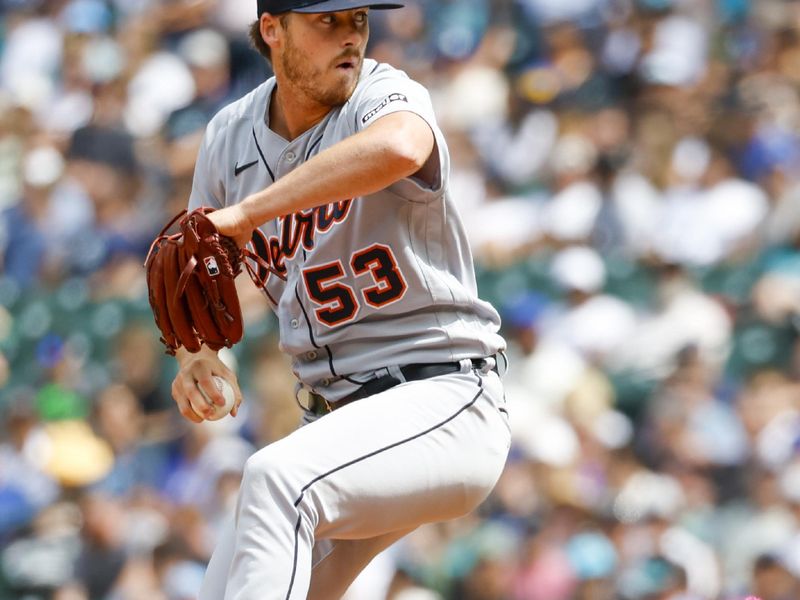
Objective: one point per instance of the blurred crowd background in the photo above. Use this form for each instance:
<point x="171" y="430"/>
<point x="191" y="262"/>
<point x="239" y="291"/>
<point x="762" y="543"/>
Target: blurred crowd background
<point x="629" y="174"/>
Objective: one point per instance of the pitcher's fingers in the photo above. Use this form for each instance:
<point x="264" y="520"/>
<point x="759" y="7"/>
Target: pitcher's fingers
<point x="237" y="398"/>
<point x="198" y="402"/>
<point x="182" y="402"/>
<point x="195" y="400"/>
<point x="207" y="384"/>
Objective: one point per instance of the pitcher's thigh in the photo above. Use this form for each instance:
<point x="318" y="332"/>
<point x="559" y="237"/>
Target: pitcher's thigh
<point x="420" y="452"/>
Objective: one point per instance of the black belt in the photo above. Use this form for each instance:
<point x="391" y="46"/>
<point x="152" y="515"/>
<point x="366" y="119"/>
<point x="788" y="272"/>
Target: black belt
<point x="414" y="372"/>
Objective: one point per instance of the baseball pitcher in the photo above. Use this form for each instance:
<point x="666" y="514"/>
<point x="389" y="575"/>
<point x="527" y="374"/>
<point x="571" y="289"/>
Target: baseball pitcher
<point x="336" y="171"/>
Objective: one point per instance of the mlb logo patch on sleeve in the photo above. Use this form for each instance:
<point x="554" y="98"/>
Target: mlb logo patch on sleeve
<point x="211" y="266"/>
<point x="393" y="97"/>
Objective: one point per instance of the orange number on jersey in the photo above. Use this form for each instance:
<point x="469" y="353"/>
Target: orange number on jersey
<point x="389" y="283"/>
<point x="337" y="300"/>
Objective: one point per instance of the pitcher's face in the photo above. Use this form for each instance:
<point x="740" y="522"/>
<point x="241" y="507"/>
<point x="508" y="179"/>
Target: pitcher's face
<point x="322" y="53"/>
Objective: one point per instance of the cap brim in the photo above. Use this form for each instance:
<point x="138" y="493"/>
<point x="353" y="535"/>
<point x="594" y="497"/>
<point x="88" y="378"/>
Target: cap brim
<point x="337" y="5"/>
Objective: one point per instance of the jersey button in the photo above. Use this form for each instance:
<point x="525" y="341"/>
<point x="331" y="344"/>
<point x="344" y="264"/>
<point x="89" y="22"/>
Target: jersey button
<point x="290" y="156"/>
<point x="294" y="323"/>
<point x="311" y="355"/>
<point x="325" y="382"/>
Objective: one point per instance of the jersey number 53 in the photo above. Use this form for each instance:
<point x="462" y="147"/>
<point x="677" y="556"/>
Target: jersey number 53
<point x="337" y="301"/>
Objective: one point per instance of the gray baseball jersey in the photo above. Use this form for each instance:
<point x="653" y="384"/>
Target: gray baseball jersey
<point x="371" y="282"/>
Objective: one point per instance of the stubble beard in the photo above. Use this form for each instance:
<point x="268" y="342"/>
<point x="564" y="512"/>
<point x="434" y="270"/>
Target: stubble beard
<point x="302" y="74"/>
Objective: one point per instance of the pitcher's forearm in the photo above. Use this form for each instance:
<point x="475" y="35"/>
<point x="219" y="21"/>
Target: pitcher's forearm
<point x="395" y="147"/>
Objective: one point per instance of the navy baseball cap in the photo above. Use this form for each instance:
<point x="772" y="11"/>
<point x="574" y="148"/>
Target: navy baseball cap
<point x="276" y="7"/>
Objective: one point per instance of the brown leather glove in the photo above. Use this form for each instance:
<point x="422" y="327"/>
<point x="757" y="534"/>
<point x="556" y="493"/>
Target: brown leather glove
<point x="190" y="280"/>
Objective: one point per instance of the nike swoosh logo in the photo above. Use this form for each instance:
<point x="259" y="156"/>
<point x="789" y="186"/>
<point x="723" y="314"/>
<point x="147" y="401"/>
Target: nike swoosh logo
<point x="237" y="169"/>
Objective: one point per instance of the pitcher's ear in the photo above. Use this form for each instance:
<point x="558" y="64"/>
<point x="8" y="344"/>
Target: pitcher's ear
<point x="269" y="27"/>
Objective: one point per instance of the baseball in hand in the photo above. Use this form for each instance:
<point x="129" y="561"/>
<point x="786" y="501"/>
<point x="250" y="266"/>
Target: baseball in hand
<point x="227" y="392"/>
